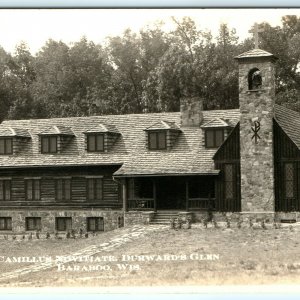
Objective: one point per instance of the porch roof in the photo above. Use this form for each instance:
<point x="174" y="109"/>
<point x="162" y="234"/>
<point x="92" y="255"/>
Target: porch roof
<point x="161" y="173"/>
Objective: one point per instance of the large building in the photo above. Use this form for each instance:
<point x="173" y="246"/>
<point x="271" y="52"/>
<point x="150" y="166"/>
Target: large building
<point x="95" y="173"/>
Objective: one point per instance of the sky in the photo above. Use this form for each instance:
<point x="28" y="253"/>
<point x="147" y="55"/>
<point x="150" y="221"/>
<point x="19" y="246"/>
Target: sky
<point x="36" y="26"/>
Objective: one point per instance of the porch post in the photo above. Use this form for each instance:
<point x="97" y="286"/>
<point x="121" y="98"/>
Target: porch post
<point x="124" y="194"/>
<point x="154" y="195"/>
<point x="187" y="194"/>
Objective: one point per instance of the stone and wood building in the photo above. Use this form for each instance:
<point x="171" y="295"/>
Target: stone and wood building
<point x="101" y="172"/>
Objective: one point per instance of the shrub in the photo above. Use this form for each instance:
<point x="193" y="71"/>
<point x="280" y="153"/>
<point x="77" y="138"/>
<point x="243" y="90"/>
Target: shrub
<point x="227" y="222"/>
<point x="239" y="224"/>
<point x="215" y="224"/>
<point x="172" y="223"/>
<point x="250" y="223"/>
<point x="263" y="224"/>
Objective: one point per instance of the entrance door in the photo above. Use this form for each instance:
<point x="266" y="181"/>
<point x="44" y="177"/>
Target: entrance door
<point x="170" y="193"/>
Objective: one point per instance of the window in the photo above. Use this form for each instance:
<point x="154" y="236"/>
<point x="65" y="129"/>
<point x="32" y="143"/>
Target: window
<point x="289" y="180"/>
<point x="95" y="224"/>
<point x="94" y="189"/>
<point x="229" y="181"/>
<point x="214" y="138"/>
<point x="5" y="190"/>
<point x="157" y="140"/>
<point x="33" y="190"/>
<point x="63" y="189"/>
<point x="6" y="146"/>
<point x="95" y="142"/>
<point x="33" y="223"/>
<point x="5" y="223"/>
<point x="63" y="223"/>
<point x="49" y="144"/>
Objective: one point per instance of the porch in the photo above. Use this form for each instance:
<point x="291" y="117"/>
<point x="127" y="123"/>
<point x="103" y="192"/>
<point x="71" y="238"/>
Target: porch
<point x="176" y="193"/>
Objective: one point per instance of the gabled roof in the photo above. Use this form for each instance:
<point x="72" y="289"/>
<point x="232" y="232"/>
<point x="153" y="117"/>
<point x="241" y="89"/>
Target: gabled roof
<point x="57" y="130"/>
<point x="187" y="156"/>
<point x="164" y="125"/>
<point x="101" y="128"/>
<point x="217" y="122"/>
<point x="289" y="121"/>
<point x="14" y="132"/>
<point x="255" y="53"/>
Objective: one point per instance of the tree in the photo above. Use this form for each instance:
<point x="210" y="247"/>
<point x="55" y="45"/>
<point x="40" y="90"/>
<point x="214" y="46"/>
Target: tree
<point x="6" y="84"/>
<point x="125" y="56"/>
<point x="23" y="72"/>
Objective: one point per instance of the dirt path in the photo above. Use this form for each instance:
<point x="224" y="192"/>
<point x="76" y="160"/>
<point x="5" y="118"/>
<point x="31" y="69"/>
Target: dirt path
<point x="130" y="234"/>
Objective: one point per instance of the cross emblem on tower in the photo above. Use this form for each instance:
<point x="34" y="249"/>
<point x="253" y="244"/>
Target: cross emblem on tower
<point x="256" y="30"/>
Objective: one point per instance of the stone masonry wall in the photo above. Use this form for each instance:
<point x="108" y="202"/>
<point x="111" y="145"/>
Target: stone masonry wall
<point x="79" y="219"/>
<point x="191" y="111"/>
<point x="138" y="217"/>
<point x="257" y="171"/>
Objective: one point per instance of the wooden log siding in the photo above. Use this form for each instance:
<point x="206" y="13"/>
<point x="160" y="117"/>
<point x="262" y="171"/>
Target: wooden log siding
<point x="285" y="151"/>
<point x="171" y="138"/>
<point x="21" y="144"/>
<point x="229" y="153"/>
<point x="109" y="140"/>
<point x="111" y="193"/>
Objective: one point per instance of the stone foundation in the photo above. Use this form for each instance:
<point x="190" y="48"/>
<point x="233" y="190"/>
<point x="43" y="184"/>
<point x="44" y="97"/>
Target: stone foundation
<point x="79" y="219"/>
<point x="237" y="216"/>
<point x="138" y="217"/>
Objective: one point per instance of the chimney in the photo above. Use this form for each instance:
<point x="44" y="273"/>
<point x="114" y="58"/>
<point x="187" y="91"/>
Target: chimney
<point x="191" y="111"/>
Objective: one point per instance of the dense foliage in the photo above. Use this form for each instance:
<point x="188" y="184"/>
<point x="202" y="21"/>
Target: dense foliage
<point x="147" y="71"/>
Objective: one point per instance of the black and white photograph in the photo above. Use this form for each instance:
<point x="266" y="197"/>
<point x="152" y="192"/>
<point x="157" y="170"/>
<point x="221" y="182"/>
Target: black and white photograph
<point x="149" y="148"/>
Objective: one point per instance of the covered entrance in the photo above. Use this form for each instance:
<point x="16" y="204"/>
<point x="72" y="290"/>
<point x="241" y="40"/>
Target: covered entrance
<point x="170" y="193"/>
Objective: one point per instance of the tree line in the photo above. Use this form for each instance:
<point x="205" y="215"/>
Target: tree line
<point x="148" y="71"/>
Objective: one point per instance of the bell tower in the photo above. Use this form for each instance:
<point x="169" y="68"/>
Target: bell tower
<point x="256" y="99"/>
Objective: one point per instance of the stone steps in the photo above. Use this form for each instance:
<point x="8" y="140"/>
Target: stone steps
<point x="163" y="218"/>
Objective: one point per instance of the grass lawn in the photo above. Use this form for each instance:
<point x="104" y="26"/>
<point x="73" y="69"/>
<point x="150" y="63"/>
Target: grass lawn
<point x="242" y="256"/>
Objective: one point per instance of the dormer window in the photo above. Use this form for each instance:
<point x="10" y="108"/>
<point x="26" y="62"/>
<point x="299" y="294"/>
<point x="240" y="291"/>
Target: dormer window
<point x="162" y="135"/>
<point x="13" y="140"/>
<point x="214" y="138"/>
<point x="6" y="146"/>
<point x="49" y="144"/>
<point x="215" y="131"/>
<point x="95" y="142"/>
<point x="157" y="140"/>
<point x="55" y="139"/>
<point x="101" y="138"/>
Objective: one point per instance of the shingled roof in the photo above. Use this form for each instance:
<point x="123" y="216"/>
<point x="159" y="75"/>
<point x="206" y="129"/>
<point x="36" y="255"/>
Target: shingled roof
<point x="289" y="121"/>
<point x="255" y="53"/>
<point x="163" y="125"/>
<point x="218" y="122"/>
<point x="57" y="130"/>
<point x="103" y="128"/>
<point x="187" y="156"/>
